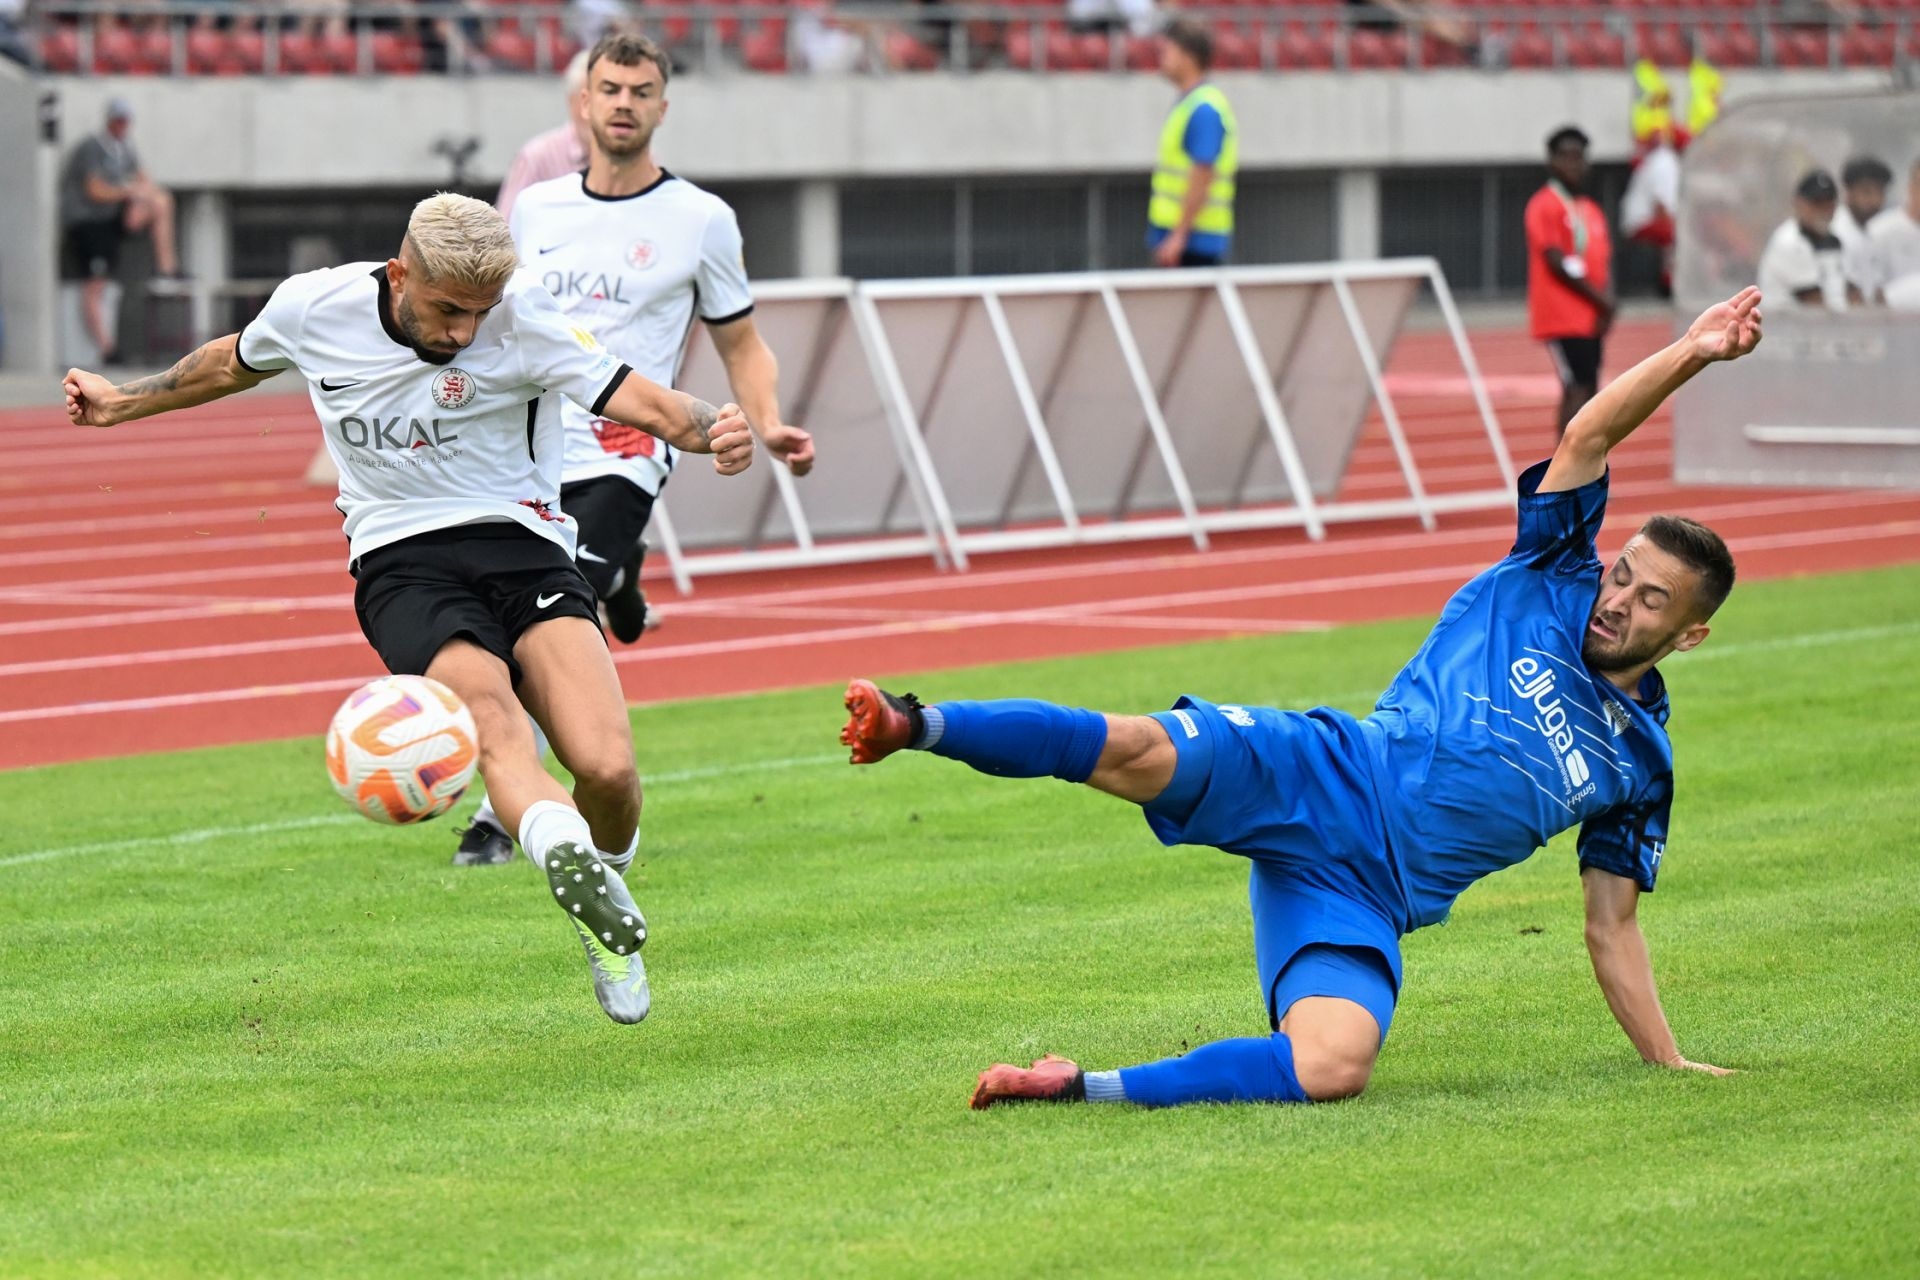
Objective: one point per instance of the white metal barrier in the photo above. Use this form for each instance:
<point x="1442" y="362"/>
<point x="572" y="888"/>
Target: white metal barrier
<point x="971" y="415"/>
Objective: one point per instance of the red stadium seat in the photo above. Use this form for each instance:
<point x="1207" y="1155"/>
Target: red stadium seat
<point x="1234" y="49"/>
<point x="60" y="51"/>
<point x="397" y="54"/>
<point x="1530" y="47"/>
<point x="340" y="52"/>
<point x="1143" y="53"/>
<point x="1595" y="46"/>
<point x="1731" y="46"/>
<point x="156" y="50"/>
<point x="1368" y="49"/>
<point x="251" y="48"/>
<point x="1306" y="48"/>
<point x="1867" y="47"/>
<point x="904" y="53"/>
<point x="510" y="47"/>
<point x="1800" y="46"/>
<point x="1664" y="42"/>
<point x="765" y="49"/>
<point x="116" y="50"/>
<point x="1435" y="52"/>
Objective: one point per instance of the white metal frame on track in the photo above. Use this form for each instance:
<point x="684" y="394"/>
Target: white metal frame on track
<point x="1073" y="520"/>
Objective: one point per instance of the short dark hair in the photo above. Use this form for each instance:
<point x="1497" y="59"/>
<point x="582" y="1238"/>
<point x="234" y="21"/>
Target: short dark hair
<point x="630" y="49"/>
<point x="1701" y="550"/>
<point x="1193" y="39"/>
<point x="1866" y="169"/>
<point x="1564" y="134"/>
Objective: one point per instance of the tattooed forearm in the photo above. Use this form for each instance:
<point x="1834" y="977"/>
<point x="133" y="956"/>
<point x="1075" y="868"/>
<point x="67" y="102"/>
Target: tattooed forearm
<point x="162" y="383"/>
<point x="702" y="416"/>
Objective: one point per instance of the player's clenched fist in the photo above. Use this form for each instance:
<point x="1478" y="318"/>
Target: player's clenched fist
<point x="88" y="395"/>
<point x="731" y="441"/>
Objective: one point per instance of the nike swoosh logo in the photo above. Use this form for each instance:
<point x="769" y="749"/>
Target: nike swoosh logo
<point x="584" y="554"/>
<point x="544" y="601"/>
<point x="550" y="248"/>
<point x="336" y="386"/>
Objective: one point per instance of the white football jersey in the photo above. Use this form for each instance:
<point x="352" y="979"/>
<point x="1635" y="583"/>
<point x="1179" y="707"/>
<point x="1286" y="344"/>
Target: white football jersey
<point x="635" y="270"/>
<point x="423" y="446"/>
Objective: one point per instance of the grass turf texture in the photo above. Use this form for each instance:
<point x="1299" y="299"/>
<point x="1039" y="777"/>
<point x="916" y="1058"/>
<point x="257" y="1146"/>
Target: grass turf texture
<point x="323" y="1051"/>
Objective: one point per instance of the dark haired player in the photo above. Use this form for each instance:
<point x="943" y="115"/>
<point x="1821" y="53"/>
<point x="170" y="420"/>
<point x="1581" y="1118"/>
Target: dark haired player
<point x="1533" y="706"/>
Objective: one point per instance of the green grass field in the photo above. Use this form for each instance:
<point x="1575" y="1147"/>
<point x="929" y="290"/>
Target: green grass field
<point x="316" y="1049"/>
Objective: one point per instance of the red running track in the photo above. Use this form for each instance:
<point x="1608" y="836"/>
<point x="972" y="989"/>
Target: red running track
<point x="173" y="583"/>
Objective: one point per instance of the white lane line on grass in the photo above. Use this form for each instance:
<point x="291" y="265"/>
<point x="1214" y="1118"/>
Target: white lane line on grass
<point x="205" y="834"/>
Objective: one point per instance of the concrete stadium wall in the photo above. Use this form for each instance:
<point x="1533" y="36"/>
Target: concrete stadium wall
<point x="327" y="132"/>
<point x="26" y="228"/>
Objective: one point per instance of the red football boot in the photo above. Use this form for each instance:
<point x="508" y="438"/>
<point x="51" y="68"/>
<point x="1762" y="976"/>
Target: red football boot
<point x="1051" y="1079"/>
<point x="878" y="724"/>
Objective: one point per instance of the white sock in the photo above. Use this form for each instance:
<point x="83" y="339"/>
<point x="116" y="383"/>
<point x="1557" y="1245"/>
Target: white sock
<point x="485" y="813"/>
<point x="621" y="861"/>
<point x="1104" y="1086"/>
<point x="547" y="823"/>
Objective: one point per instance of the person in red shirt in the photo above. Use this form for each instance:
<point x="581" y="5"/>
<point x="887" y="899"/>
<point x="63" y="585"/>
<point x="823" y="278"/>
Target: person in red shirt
<point x="1569" y="271"/>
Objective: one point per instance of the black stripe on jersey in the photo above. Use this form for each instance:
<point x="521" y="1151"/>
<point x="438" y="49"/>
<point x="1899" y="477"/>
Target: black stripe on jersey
<point x="239" y="338"/>
<point x="591" y="194"/>
<point x="533" y="415"/>
<point x="741" y="314"/>
<point x="600" y="402"/>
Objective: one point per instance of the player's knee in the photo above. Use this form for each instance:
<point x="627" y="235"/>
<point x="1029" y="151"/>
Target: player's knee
<point x="604" y="766"/>
<point x="1335" y="1044"/>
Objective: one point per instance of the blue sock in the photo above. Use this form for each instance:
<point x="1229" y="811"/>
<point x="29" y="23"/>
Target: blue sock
<point x="1017" y="737"/>
<point x="1252" y="1069"/>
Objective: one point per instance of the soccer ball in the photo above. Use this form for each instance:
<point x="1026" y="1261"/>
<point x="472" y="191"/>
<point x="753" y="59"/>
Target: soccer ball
<point x="402" y="749"/>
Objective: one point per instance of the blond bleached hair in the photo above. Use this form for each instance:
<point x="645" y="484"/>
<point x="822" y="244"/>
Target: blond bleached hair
<point x="460" y="241"/>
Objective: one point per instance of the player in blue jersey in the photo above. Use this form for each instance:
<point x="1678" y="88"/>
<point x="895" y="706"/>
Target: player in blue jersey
<point x="1534" y="706"/>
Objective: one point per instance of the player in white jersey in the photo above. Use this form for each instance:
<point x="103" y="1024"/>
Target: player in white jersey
<point x="435" y="378"/>
<point x="635" y="254"/>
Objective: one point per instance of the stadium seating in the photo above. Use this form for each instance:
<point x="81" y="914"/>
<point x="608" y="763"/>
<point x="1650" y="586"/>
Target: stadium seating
<point x="1287" y="35"/>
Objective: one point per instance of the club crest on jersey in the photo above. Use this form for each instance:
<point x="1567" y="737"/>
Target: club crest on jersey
<point x="642" y="254"/>
<point x="453" y="389"/>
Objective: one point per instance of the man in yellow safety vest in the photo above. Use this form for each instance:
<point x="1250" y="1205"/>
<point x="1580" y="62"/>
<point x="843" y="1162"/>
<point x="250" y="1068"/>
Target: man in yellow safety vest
<point x="1190" y="218"/>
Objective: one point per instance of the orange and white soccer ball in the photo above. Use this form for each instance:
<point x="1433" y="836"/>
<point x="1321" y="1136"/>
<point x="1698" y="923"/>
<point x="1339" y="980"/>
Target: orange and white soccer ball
<point x="402" y="749"/>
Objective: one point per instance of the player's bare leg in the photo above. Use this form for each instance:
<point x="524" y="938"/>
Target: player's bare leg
<point x="509" y="764"/>
<point x="551" y="828"/>
<point x="569" y="685"/>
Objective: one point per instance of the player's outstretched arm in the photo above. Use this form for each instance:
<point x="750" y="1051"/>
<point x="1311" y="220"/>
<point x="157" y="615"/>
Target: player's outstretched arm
<point x="207" y="373"/>
<point x="754" y="375"/>
<point x="689" y="424"/>
<point x="1724" y="332"/>
<point x="1621" y="963"/>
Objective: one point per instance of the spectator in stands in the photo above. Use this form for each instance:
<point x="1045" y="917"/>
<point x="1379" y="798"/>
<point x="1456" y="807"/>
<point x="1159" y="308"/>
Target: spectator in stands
<point x="1569" y="271"/>
<point x="104" y="195"/>
<point x="1895" y="236"/>
<point x="1652" y="202"/>
<point x="1803" y="266"/>
<point x="557" y="152"/>
<point x="1112" y="16"/>
<point x="1190" y="216"/>
<point x="1863" y="187"/>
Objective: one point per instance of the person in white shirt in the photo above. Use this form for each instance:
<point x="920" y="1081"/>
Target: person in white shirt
<point x="1863" y="187"/>
<point x="1895" y="238"/>
<point x="1652" y="203"/>
<point x="435" y="377"/>
<point x="633" y="254"/>
<point x="560" y="150"/>
<point x="1802" y="266"/>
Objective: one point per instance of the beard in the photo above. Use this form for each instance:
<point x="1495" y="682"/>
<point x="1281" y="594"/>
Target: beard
<point x="1622" y="653"/>
<point x="410" y="326"/>
<point x="621" y="148"/>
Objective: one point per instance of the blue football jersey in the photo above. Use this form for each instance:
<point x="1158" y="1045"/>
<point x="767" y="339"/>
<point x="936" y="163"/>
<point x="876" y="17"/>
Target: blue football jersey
<point x="1497" y="736"/>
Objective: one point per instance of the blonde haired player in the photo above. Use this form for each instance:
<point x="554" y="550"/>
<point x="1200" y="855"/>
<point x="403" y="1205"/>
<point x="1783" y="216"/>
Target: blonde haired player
<point x="436" y="377"/>
<point x="634" y="254"/>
